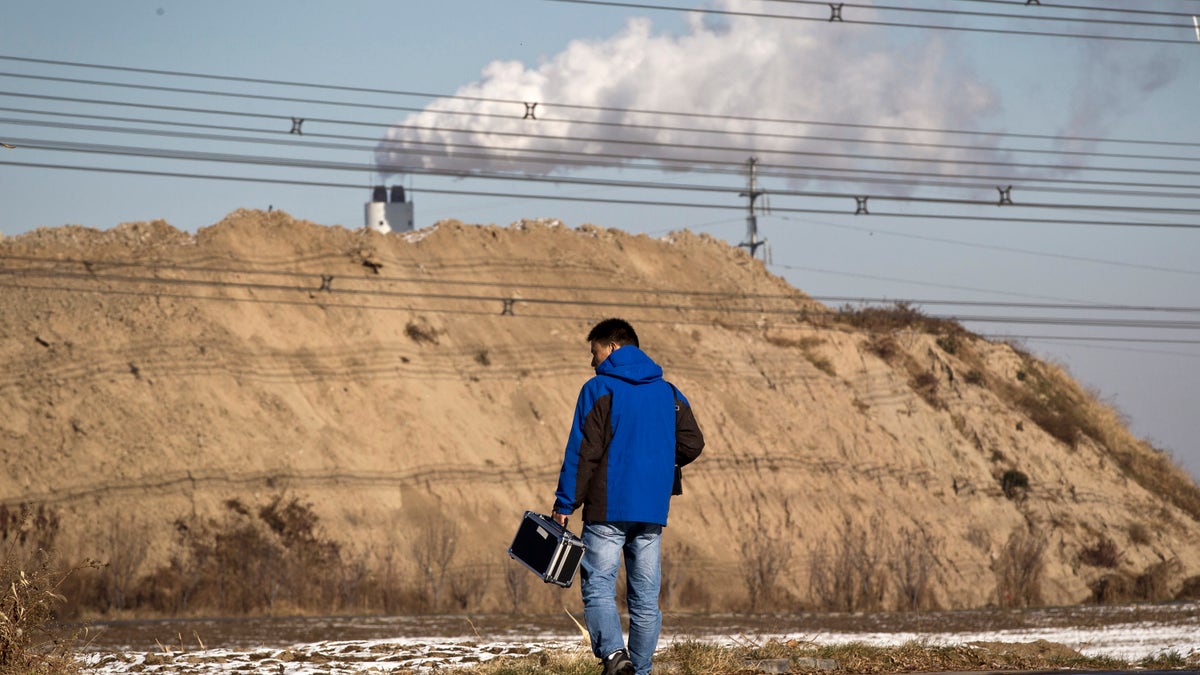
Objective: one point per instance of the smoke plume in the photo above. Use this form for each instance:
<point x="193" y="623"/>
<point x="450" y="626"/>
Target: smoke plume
<point x="729" y="70"/>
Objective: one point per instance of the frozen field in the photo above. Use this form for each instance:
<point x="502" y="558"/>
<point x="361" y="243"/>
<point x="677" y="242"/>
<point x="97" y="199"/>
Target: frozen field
<point x="386" y="644"/>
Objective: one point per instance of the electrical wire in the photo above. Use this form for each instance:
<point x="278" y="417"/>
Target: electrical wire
<point x="630" y="125"/>
<point x="143" y="152"/>
<point x="627" y="126"/>
<point x="891" y="24"/>
<point x="1082" y="8"/>
<point x="613" y="200"/>
<point x="568" y="157"/>
<point x="602" y="109"/>
<point x="989" y="15"/>
<point x="994" y="247"/>
<point x="18" y="265"/>
<point x="375" y="294"/>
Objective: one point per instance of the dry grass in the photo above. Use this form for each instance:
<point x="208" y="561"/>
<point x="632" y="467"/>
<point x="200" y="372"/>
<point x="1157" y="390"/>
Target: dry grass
<point x="807" y="346"/>
<point x="1019" y="569"/>
<point x="703" y="658"/>
<point x="898" y="317"/>
<point x="29" y="643"/>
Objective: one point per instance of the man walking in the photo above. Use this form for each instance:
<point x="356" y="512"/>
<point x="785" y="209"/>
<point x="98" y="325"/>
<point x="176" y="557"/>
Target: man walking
<point x="631" y="430"/>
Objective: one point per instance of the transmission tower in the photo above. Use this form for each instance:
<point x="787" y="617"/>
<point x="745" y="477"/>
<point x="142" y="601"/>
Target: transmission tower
<point x="752" y="193"/>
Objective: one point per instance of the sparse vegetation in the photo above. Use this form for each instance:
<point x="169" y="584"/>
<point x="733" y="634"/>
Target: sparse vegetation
<point x="949" y="343"/>
<point x="1057" y="405"/>
<point x="847" y="574"/>
<point x="897" y="317"/>
<point x="1152" y="585"/>
<point x="251" y="559"/>
<point x="1015" y="484"/>
<point x="1019" y="568"/>
<point x="1139" y="534"/>
<point x="30" y="598"/>
<point x="433" y="550"/>
<point x="691" y="657"/>
<point x="913" y="564"/>
<point x="421" y="332"/>
<point x="925" y="384"/>
<point x="807" y="346"/>
<point x="1104" y="553"/>
<point x="764" y="560"/>
<point x="883" y="346"/>
<point x="865" y="566"/>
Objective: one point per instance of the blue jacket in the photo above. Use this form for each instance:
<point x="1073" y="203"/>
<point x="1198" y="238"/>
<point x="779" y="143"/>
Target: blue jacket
<point x="631" y="428"/>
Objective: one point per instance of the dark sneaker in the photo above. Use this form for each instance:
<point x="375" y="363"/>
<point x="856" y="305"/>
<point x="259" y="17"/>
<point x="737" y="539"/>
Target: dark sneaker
<point x="618" y="663"/>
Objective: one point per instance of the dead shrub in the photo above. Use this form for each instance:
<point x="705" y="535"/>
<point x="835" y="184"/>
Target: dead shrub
<point x="516" y="585"/>
<point x="897" y="317"/>
<point x="248" y="561"/>
<point x="1103" y="553"/>
<point x="421" y="332"/>
<point x="1015" y="485"/>
<point x="433" y="550"/>
<point x="883" y="346"/>
<point x="1153" y="584"/>
<point x="1115" y="588"/>
<point x="32" y="527"/>
<point x="1054" y="404"/>
<point x="469" y="585"/>
<point x="1155" y="471"/>
<point x="913" y="565"/>
<point x="764" y="559"/>
<point x="847" y="575"/>
<point x="126" y="543"/>
<point x="1018" y="570"/>
<point x="1190" y="589"/>
<point x="29" y="600"/>
<point x="949" y="343"/>
<point x="925" y="384"/>
<point x="1139" y="534"/>
<point x="806" y="345"/>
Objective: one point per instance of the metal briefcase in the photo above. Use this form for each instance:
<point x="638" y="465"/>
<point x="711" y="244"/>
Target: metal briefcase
<point x="550" y="551"/>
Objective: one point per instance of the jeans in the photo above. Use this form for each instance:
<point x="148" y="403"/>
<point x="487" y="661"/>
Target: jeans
<point x="640" y="545"/>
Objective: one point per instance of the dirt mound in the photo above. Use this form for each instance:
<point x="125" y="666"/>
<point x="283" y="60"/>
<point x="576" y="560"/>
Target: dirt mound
<point x="400" y="380"/>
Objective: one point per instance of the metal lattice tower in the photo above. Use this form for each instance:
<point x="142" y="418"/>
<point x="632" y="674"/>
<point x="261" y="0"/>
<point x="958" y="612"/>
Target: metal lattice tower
<point x="752" y="242"/>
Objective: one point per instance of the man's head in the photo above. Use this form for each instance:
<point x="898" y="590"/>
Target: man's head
<point x="608" y="336"/>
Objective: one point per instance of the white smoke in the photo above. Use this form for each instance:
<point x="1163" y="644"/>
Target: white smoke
<point x="737" y="67"/>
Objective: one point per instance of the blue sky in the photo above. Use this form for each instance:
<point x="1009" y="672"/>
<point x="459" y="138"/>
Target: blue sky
<point x="1023" y="104"/>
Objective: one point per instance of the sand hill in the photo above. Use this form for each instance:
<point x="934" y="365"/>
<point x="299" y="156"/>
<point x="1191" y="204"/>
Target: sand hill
<point x="399" y="380"/>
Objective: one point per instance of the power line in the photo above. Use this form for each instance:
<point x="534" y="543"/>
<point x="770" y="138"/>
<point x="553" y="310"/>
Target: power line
<point x="730" y="163"/>
<point x="653" y="318"/>
<point x="1108" y="188"/>
<point x="625" y="125"/>
<point x="1081" y="8"/>
<point x="568" y="157"/>
<point x="985" y="15"/>
<point x="527" y="299"/>
<point x="157" y="153"/>
<point x="838" y="18"/>
<point x="994" y="247"/>
<point x="609" y="200"/>
<point x="102" y="270"/>
<point x="603" y="109"/>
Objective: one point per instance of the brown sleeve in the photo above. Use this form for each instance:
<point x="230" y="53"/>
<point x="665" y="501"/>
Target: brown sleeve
<point x="591" y="477"/>
<point x="688" y="439"/>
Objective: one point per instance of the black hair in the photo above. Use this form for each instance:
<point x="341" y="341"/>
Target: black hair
<point x="614" y="330"/>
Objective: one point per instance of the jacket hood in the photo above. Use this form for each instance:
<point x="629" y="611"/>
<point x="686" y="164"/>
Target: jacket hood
<point x="630" y="364"/>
